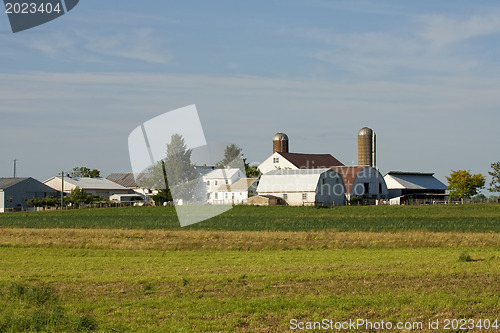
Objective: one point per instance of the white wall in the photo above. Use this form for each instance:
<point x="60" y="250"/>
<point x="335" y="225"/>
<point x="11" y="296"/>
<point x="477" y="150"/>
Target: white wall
<point x="270" y="165"/>
<point x="2" y="202"/>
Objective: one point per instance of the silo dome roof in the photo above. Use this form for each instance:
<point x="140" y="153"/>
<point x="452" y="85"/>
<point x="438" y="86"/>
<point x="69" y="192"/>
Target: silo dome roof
<point x="280" y="137"/>
<point x="365" y="131"/>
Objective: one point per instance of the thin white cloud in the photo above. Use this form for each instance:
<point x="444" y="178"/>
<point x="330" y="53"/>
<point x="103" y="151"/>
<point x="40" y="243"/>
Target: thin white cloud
<point x="442" y="31"/>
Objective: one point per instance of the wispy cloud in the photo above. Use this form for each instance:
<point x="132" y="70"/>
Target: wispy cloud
<point x="137" y="45"/>
<point x="442" y="31"/>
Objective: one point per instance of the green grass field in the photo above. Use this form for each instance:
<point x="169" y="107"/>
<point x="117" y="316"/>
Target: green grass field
<point x="475" y="218"/>
<point x="252" y="269"/>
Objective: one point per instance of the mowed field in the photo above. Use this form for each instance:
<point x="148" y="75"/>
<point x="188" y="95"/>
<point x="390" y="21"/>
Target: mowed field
<point x="136" y="270"/>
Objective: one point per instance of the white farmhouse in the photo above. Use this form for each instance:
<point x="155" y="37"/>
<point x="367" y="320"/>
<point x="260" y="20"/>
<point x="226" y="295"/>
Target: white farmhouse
<point x="218" y="177"/>
<point x="304" y="187"/>
<point x="293" y="161"/>
<point x="95" y="186"/>
<point x="236" y="193"/>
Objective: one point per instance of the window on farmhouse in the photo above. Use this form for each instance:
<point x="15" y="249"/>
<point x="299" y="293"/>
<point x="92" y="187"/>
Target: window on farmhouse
<point x="276" y="159"/>
<point x="227" y="182"/>
<point x="208" y="182"/>
<point x="216" y="196"/>
<point x="304" y="196"/>
<point x="215" y="183"/>
<point x="226" y="195"/>
<point x="285" y="196"/>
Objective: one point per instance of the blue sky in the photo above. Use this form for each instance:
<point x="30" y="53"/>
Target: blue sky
<point x="424" y="75"/>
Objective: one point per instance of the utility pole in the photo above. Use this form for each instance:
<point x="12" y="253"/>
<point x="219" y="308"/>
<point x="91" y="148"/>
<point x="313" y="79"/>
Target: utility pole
<point x="15" y="161"/>
<point x="62" y="190"/>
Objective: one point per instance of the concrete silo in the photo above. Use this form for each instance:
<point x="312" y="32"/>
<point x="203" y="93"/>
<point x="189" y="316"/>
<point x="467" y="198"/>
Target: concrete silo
<point x="280" y="143"/>
<point x="366" y="147"/>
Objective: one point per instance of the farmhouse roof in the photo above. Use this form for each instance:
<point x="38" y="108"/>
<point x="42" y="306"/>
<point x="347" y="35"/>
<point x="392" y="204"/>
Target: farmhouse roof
<point x="8" y="182"/>
<point x="127" y="179"/>
<point x="311" y="161"/>
<point x="87" y="183"/>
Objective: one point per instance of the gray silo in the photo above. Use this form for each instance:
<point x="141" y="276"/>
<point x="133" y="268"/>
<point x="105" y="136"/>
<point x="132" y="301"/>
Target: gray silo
<point x="366" y="147"/>
<point x="280" y="143"/>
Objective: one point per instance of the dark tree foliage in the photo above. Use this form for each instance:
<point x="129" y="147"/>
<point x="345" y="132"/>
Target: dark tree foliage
<point x="85" y="172"/>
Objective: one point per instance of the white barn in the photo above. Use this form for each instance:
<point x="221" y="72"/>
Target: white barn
<point x="236" y="193"/>
<point x="304" y="187"/>
<point x="16" y="192"/>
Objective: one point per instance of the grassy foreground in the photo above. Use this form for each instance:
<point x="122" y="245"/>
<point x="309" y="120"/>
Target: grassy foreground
<point x="252" y="269"/>
<point x="439" y="218"/>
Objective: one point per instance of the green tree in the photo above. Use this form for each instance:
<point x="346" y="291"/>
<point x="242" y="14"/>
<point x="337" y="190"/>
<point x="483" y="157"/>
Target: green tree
<point x="462" y="184"/>
<point x="85" y="172"/>
<point x="183" y="179"/>
<point x="78" y="196"/>
<point x="495" y="175"/>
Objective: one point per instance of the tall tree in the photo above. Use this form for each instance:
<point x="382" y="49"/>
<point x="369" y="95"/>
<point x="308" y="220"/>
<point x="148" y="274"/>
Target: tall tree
<point x="462" y="184"/>
<point x="495" y="175"/>
<point x="85" y="172"/>
<point x="183" y="179"/>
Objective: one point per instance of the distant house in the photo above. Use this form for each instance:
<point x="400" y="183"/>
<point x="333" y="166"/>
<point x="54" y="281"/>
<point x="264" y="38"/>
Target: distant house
<point x="294" y="161"/>
<point x="304" y="187"/>
<point x="95" y="186"/>
<point x="414" y="187"/>
<point x="215" y="178"/>
<point x="363" y="181"/>
<point x="236" y="193"/>
<point x="16" y="192"/>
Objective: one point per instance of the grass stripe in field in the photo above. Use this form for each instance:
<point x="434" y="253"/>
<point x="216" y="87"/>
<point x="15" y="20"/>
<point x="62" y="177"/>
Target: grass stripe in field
<point x="237" y="240"/>
<point x="436" y="218"/>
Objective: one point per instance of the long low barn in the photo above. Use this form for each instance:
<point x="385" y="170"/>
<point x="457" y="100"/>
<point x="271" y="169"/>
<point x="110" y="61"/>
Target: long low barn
<point x="304" y="187"/>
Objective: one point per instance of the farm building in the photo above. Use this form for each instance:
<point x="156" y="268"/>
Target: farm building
<point x="16" y="192"/>
<point x="134" y="183"/>
<point x="264" y="200"/>
<point x="414" y="187"/>
<point x="363" y="181"/>
<point x="282" y="159"/>
<point x="304" y="187"/>
<point x="215" y="178"/>
<point x="236" y="193"/>
<point x="95" y="186"/>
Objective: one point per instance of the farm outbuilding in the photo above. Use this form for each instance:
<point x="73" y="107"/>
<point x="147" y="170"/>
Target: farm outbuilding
<point x="414" y="187"/>
<point x="264" y="200"/>
<point x="95" y="186"/>
<point x="304" y="187"/>
<point x="16" y="192"/>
